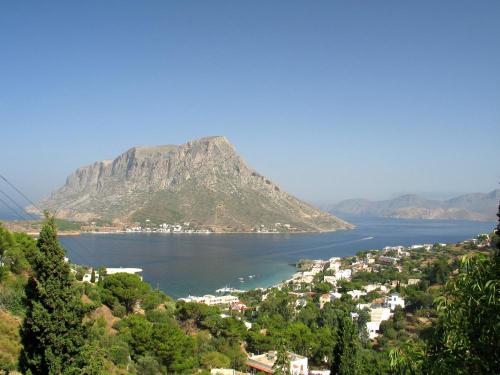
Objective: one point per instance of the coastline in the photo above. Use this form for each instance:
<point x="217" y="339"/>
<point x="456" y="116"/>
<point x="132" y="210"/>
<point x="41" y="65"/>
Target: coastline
<point x="203" y="233"/>
<point x="199" y="265"/>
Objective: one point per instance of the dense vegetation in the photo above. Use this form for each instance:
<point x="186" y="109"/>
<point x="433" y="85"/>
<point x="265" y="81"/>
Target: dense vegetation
<point x="51" y="323"/>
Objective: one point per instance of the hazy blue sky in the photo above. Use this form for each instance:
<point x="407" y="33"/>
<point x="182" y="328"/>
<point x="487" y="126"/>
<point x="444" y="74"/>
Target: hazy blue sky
<point x="330" y="99"/>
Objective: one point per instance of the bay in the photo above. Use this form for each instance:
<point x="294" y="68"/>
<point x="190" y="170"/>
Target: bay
<point x="197" y="264"/>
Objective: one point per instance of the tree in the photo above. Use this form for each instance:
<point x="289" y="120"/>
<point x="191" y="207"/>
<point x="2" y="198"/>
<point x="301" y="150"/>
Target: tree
<point x="92" y="276"/>
<point x="212" y="360"/>
<point x="282" y="364"/>
<point x="407" y="359"/>
<point x="127" y="288"/>
<point x="6" y="243"/>
<point x="467" y="334"/>
<point x="52" y="334"/>
<point x="345" y="354"/>
<point x="439" y="272"/>
<point x="498" y="229"/>
<point x="137" y="331"/>
<point x="173" y="348"/>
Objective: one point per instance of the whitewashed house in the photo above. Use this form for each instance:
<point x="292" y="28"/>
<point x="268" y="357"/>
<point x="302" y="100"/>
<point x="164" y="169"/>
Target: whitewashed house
<point x="393" y="301"/>
<point x="88" y="277"/>
<point x="377" y="316"/>
<point x="372" y="329"/>
<point x="265" y="362"/>
<point x="343" y="274"/>
<point x="355" y="294"/>
<point x="330" y="279"/>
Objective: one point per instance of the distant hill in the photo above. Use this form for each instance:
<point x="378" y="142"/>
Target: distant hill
<point x="204" y="182"/>
<point x="474" y="206"/>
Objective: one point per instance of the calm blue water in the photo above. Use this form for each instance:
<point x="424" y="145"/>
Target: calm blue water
<point x="182" y="264"/>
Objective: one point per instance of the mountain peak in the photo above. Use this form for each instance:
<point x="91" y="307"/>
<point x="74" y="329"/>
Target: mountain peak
<point x="203" y="181"/>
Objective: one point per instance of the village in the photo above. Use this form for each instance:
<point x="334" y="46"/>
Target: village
<point x="322" y="282"/>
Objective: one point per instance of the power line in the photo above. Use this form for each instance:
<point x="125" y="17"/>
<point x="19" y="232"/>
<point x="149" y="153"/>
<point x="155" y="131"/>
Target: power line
<point x="13" y="210"/>
<point x="22" y="210"/>
<point x="20" y="193"/>
<point x="77" y="242"/>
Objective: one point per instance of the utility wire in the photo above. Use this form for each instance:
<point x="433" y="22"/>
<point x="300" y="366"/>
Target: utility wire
<point x="77" y="241"/>
<point x="20" y="193"/>
<point x="21" y="209"/>
<point x="12" y="209"/>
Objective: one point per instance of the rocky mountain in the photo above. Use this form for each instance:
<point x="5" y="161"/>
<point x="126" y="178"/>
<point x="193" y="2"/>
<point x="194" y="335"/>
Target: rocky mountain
<point x="475" y="206"/>
<point x="203" y="182"/>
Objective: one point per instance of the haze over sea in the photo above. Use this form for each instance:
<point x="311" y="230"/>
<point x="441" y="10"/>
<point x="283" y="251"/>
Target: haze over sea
<point x="182" y="264"/>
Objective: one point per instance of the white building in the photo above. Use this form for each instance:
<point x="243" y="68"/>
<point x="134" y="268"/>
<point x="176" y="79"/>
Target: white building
<point x="209" y="299"/>
<point x="343" y="274"/>
<point x="265" y="362"/>
<point x="372" y="328"/>
<point x="355" y="294"/>
<point x="394" y="300"/>
<point x="225" y="371"/>
<point x="398" y="249"/>
<point x="328" y="297"/>
<point x="330" y="279"/>
<point x="88" y="277"/>
<point x="371" y="287"/>
<point x="413" y="281"/>
<point x="334" y="264"/>
<point x="361" y="306"/>
<point x="426" y="247"/>
<point x="377" y="315"/>
<point x="387" y="260"/>
<point x="324" y="298"/>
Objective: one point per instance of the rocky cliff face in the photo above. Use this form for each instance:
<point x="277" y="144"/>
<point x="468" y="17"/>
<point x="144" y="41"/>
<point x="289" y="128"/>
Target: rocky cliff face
<point x="203" y="181"/>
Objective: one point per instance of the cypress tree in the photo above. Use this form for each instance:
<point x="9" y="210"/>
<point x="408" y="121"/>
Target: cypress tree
<point x="345" y="355"/>
<point x="52" y="333"/>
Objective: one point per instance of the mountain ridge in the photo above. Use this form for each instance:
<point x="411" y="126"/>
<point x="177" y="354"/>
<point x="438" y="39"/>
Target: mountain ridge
<point x="472" y="206"/>
<point x="203" y="181"/>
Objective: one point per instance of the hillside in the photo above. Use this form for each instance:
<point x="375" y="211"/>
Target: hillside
<point x="475" y="206"/>
<point x="204" y="182"/>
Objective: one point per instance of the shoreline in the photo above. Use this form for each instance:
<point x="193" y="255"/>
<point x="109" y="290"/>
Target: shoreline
<point x="340" y="242"/>
<point x="298" y="273"/>
<point x="206" y="233"/>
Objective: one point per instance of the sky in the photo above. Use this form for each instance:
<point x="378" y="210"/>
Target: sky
<point x="330" y="99"/>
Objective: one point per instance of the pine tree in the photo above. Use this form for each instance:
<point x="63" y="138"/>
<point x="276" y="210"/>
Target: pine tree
<point x="52" y="333"/>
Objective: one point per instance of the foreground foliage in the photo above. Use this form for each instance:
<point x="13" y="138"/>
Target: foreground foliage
<point x="52" y="334"/>
<point x="450" y="323"/>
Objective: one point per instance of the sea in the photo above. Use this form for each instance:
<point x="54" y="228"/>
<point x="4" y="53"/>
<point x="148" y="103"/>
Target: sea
<point x="198" y="264"/>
